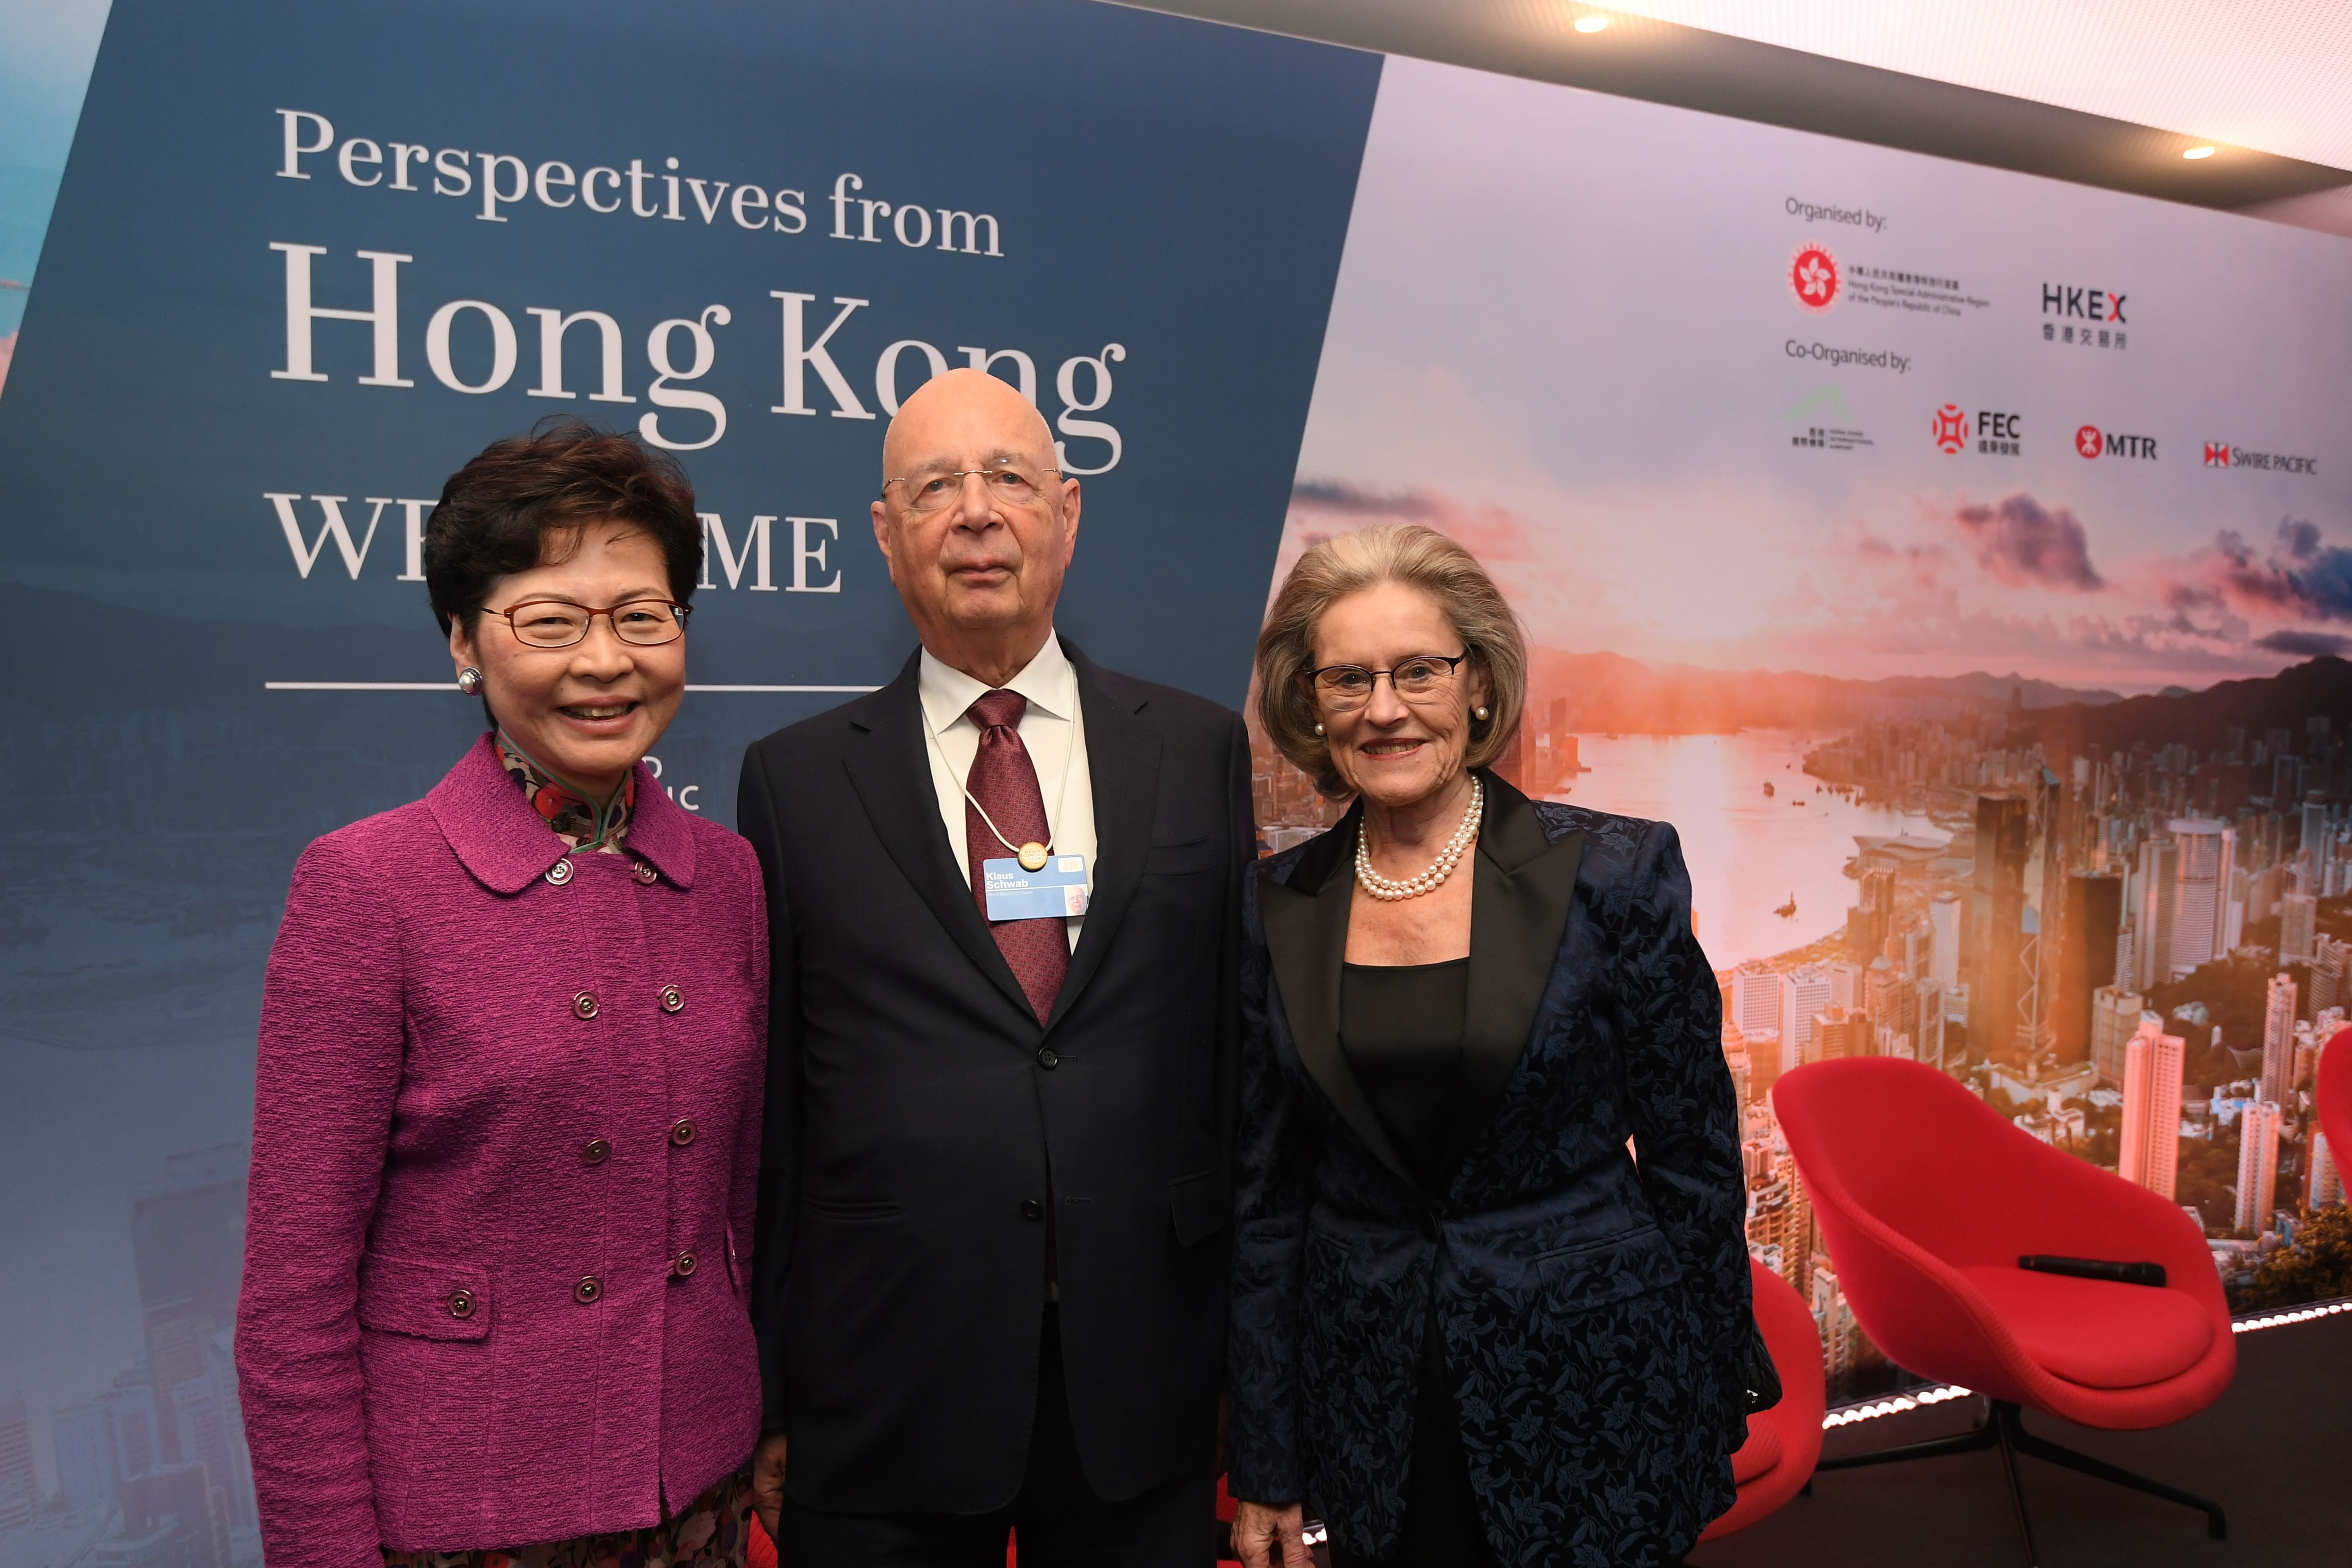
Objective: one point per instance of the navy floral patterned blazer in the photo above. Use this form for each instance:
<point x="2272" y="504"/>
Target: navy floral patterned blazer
<point x="1592" y="1312"/>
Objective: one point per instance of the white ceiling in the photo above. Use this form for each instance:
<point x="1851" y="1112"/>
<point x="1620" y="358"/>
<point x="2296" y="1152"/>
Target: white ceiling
<point x="2272" y="75"/>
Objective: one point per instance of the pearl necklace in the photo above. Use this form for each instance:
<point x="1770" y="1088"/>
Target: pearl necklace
<point x="1429" y="881"/>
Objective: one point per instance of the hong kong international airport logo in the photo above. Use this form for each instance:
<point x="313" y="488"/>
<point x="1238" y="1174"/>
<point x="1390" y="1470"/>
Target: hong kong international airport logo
<point x="2093" y="442"/>
<point x="1813" y="274"/>
<point x="2221" y="455"/>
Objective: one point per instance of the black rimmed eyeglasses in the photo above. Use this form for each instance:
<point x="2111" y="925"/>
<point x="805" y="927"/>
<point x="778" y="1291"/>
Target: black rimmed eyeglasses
<point x="1426" y="677"/>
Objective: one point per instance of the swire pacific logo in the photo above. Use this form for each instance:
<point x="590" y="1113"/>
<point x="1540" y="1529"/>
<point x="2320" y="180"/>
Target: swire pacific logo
<point x="1950" y="428"/>
<point x="2223" y="454"/>
<point x="1813" y="274"/>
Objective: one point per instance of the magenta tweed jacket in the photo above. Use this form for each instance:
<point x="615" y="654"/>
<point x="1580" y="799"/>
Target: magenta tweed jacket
<point x="506" y="1135"/>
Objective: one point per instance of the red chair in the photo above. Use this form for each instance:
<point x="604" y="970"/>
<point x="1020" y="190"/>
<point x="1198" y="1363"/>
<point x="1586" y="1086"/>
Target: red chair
<point x="2334" y="1094"/>
<point x="1784" y="1443"/>
<point x="1926" y="1198"/>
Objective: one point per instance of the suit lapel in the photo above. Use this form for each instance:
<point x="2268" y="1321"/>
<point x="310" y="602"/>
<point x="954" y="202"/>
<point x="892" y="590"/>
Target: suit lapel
<point x="1305" y="922"/>
<point x="893" y="778"/>
<point x="1123" y="760"/>
<point x="1523" y="884"/>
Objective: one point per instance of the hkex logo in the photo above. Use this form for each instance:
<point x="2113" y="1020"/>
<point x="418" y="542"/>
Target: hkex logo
<point x="2083" y="304"/>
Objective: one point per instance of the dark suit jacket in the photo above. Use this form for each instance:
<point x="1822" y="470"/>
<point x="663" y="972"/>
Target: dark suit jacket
<point x="1592" y="1313"/>
<point x="915" y="1106"/>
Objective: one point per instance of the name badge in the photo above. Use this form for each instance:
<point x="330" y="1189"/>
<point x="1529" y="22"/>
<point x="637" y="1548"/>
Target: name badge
<point x="1054" y="892"/>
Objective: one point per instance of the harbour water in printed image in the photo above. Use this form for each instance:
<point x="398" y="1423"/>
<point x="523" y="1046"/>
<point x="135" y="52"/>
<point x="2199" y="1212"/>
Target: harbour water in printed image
<point x="1768" y="845"/>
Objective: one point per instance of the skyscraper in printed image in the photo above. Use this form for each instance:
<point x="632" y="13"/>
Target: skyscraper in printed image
<point x="187" y="1239"/>
<point x="1756" y="997"/>
<point x="2326" y="1186"/>
<point x="2086" y="957"/>
<point x="2258" y="1146"/>
<point x="2114" y="1019"/>
<point x="1804" y="993"/>
<point x="2298" y="927"/>
<point x="1992" y="947"/>
<point x="2148" y="1151"/>
<point x="1943" y="918"/>
<point x="2278" y="1040"/>
<point x="17" y="1496"/>
<point x="2152" y="945"/>
<point x="82" y="1437"/>
<point x="2201" y="879"/>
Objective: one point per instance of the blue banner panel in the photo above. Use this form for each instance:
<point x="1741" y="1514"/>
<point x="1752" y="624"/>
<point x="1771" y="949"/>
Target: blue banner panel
<point x="305" y="262"/>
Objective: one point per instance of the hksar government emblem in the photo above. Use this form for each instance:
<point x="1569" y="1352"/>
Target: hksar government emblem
<point x="1951" y="427"/>
<point x="1813" y="274"/>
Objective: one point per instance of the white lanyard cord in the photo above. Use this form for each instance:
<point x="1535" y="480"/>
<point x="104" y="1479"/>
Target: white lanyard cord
<point x="1061" y="794"/>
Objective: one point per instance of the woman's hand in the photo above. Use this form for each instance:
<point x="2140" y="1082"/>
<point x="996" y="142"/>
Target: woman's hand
<point x="1265" y="1536"/>
<point x="768" y="1483"/>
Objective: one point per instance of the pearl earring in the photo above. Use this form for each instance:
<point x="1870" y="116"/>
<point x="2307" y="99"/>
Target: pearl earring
<point x="1479" y="714"/>
<point x="469" y="681"/>
<point x="1319" y="728"/>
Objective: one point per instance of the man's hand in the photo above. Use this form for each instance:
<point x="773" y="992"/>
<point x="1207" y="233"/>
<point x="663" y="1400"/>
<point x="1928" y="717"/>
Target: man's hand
<point x="768" y="1483"/>
<point x="1268" y="1537"/>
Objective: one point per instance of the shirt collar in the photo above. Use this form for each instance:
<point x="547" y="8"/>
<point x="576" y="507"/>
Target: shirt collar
<point x="575" y="818"/>
<point x="1049" y="681"/>
<point x="508" y="845"/>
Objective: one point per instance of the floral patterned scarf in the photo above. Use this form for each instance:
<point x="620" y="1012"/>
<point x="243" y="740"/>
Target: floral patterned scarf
<point x="575" y="818"/>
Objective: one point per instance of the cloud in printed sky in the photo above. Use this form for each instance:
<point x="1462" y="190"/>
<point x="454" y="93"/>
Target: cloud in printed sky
<point x="2305" y="644"/>
<point x="2299" y="578"/>
<point x="2023" y="544"/>
<point x="1492" y="533"/>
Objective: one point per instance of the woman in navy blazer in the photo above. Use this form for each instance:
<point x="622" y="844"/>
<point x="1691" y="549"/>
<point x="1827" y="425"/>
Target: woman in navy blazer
<point x="1468" y="1328"/>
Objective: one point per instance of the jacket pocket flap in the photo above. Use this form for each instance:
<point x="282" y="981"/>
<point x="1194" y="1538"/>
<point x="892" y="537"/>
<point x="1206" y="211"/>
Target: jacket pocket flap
<point x="1202" y="1204"/>
<point x="1202" y="854"/>
<point x="418" y="1296"/>
<point x="1593" y="1273"/>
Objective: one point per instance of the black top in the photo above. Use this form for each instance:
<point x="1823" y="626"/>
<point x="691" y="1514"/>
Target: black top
<point x="1401" y="1026"/>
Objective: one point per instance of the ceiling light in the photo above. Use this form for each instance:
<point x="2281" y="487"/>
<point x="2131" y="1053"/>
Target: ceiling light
<point x="1591" y="24"/>
<point x="2199" y="152"/>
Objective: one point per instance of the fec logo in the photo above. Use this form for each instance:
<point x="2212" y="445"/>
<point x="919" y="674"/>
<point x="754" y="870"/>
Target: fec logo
<point x="1813" y="274"/>
<point x="1950" y="428"/>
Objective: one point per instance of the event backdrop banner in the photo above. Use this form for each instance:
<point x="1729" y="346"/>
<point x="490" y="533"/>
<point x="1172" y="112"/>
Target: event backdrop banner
<point x="305" y="263"/>
<point x="1846" y="494"/>
<point x="1955" y="556"/>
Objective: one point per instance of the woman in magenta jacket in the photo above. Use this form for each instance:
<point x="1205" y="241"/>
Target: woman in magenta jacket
<point x="507" y="1112"/>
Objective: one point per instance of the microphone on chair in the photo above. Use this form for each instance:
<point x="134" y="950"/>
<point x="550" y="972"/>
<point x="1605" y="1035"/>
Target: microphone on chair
<point x="2150" y="1274"/>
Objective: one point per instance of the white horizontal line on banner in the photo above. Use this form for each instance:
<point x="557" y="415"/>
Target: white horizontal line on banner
<point x="450" y="688"/>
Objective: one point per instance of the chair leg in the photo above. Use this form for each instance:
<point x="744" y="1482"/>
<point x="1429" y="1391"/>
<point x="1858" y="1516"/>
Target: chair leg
<point x="2005" y="1422"/>
<point x="2216" y="1524"/>
<point x="1983" y="1436"/>
<point x="2004" y="1429"/>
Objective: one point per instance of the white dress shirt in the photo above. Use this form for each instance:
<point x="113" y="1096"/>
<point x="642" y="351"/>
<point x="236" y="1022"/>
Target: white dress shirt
<point x="1053" y="731"/>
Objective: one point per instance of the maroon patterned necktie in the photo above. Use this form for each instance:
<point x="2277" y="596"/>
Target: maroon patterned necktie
<point x="1003" y="783"/>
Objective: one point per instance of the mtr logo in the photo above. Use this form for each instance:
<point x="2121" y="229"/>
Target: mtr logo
<point x="2083" y="304"/>
<point x="2093" y="442"/>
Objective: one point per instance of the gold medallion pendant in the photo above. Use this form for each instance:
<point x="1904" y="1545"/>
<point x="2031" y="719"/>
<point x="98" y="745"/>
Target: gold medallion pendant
<point x="1033" y="855"/>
